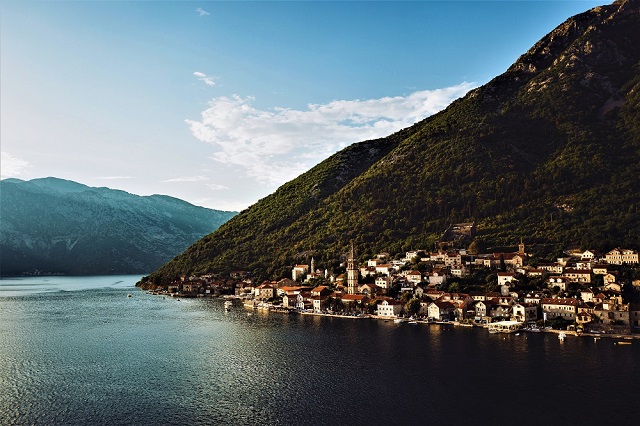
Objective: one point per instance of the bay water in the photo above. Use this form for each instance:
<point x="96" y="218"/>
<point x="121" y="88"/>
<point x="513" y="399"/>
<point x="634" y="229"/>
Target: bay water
<point x="79" y="351"/>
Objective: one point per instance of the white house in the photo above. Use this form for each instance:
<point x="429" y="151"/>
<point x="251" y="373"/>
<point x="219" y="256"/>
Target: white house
<point x="390" y="308"/>
<point x="505" y="278"/>
<point x="525" y="312"/>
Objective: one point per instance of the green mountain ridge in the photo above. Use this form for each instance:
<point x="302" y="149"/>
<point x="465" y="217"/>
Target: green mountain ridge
<point x="54" y="225"/>
<point x="548" y="151"/>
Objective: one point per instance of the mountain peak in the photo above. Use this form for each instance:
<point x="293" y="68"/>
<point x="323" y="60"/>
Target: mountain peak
<point x="549" y="151"/>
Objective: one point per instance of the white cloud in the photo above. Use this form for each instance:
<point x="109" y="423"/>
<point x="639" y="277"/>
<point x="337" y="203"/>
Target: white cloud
<point x="115" y="177"/>
<point x="216" y="186"/>
<point x="200" y="11"/>
<point x="274" y="146"/>
<point x="186" y="179"/>
<point x="11" y="166"/>
<point x="209" y="81"/>
<point x="218" y="204"/>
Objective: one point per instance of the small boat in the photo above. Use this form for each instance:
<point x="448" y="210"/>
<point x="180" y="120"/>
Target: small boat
<point x="129" y="295"/>
<point x="623" y="343"/>
<point x="413" y="322"/>
<point x="227" y="305"/>
<point x="562" y="336"/>
<point x="399" y="320"/>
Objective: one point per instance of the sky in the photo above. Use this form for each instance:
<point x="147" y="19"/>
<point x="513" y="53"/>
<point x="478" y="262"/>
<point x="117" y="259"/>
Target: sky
<point x="219" y="103"/>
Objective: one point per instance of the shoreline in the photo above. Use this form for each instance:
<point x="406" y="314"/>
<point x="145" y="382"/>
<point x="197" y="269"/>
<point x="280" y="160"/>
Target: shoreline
<point x="464" y="325"/>
<point x="283" y="310"/>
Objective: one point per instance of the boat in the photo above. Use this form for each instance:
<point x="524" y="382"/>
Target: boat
<point x="623" y="343"/>
<point x="399" y="320"/>
<point x="505" y="327"/>
<point x="228" y="304"/>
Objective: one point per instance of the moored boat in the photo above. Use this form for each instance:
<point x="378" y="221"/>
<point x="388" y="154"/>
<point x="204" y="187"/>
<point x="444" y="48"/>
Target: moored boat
<point x="505" y="327"/>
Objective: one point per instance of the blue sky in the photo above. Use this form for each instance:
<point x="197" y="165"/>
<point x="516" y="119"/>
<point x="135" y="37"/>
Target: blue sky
<point x="219" y="103"/>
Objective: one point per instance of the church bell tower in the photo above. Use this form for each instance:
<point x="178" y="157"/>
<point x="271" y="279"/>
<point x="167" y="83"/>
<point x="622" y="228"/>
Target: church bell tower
<point x="352" y="273"/>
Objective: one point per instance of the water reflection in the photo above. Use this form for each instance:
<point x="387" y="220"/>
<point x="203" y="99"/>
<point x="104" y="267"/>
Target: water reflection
<point x="95" y="356"/>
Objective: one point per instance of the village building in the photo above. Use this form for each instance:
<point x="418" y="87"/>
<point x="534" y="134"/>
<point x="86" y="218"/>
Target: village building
<point x="477" y="295"/>
<point x="441" y="311"/>
<point x="289" y="300"/>
<point x="565" y="308"/>
<point x="319" y="303"/>
<point x="506" y="278"/>
<point x="613" y="314"/>
<point x="552" y="268"/>
<point x="486" y="310"/>
<point x="586" y="295"/>
<point x="525" y="312"/>
<point x="560" y="282"/>
<point x="384" y="283"/>
<point x="533" y="272"/>
<point x="452" y="258"/>
<point x="303" y="301"/>
<point x="370" y="290"/>
<point x="459" y="270"/>
<point x="354" y="299"/>
<point x="600" y="269"/>
<point x="389" y="308"/>
<point x="620" y="256"/>
<point x="265" y="291"/>
<point x="414" y="277"/>
<point x="578" y="275"/>
<point x="590" y="255"/>
<point x="437" y="278"/>
<point x="613" y="286"/>
<point x="299" y="271"/>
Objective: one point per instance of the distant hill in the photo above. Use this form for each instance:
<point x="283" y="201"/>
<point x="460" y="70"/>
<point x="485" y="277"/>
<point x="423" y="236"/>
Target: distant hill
<point x="58" y="226"/>
<point x="548" y="152"/>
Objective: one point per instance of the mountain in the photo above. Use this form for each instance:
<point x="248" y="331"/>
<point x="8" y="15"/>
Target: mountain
<point x="58" y="226"/>
<point x="548" y="152"/>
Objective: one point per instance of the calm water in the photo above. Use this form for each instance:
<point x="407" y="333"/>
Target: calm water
<point x="78" y="351"/>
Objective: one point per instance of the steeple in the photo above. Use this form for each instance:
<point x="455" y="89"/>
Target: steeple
<point x="521" y="247"/>
<point x="313" y="266"/>
<point x="352" y="272"/>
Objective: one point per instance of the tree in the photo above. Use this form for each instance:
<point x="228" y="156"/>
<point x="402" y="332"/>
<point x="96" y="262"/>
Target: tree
<point x="477" y="246"/>
<point x="413" y="306"/>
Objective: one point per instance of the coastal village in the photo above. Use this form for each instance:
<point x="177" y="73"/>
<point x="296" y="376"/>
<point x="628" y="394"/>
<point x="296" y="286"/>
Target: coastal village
<point x="582" y="292"/>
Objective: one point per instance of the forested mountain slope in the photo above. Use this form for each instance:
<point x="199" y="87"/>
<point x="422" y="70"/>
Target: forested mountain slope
<point x="549" y="152"/>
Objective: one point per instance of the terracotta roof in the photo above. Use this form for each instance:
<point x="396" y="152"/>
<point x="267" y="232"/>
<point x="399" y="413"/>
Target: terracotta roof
<point x="560" y="301"/>
<point x="354" y="297"/>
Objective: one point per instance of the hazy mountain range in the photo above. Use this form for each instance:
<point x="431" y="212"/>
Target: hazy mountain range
<point x="53" y="225"/>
